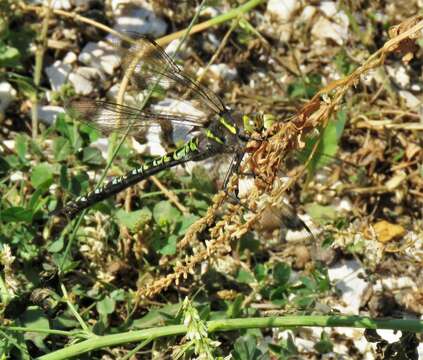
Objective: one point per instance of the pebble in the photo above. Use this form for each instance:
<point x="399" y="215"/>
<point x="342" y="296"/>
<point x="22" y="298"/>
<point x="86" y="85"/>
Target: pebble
<point x="224" y="71"/>
<point x="7" y="95"/>
<point x="70" y="58"/>
<point x="81" y="85"/>
<point x="411" y="101"/>
<point x="58" y="74"/>
<point x="282" y="10"/>
<point x="346" y="275"/>
<point x="48" y="113"/>
<point x="399" y="75"/>
<point x="101" y="56"/>
<point x="334" y="26"/>
<point x="139" y="20"/>
<point x="307" y="13"/>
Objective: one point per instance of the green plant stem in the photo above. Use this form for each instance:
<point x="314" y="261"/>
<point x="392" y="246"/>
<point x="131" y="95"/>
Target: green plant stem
<point x="39" y="57"/>
<point x="74" y="312"/>
<point x="234" y="13"/>
<point x="233" y="325"/>
<point x="39" y="330"/>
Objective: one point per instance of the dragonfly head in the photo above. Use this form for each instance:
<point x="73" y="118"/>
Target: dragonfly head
<point x="256" y="122"/>
<point x="252" y="123"/>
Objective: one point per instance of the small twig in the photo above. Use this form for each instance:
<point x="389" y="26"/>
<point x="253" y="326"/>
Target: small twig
<point x="170" y="195"/>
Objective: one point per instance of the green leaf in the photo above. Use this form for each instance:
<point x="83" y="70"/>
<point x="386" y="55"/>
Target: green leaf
<point x="327" y="146"/>
<point x="9" y="56"/>
<point x="79" y="183"/>
<point x="42" y="175"/>
<point x="118" y="295"/>
<point x="248" y="242"/>
<point x="134" y="219"/>
<point x="66" y="264"/>
<point x="245" y="348"/>
<point x="34" y="317"/>
<point x="157" y="317"/>
<point x="343" y="63"/>
<point x="260" y="272"/>
<point x="165" y="213"/>
<point x="278" y="295"/>
<point x="24" y="84"/>
<point x="69" y="131"/>
<point x="4" y="166"/>
<point x="322" y="214"/>
<point x="324" y="345"/>
<point x="21" y="147"/>
<point x="305" y="87"/>
<point x="186" y="222"/>
<point x="16" y="214"/>
<point x="245" y="277"/>
<point x="201" y="180"/>
<point x="61" y="148"/>
<point x="56" y="246"/>
<point x="92" y="156"/>
<point x="170" y="247"/>
<point x="36" y="201"/>
<point x="106" y="306"/>
<point x="235" y="307"/>
<point x="281" y="273"/>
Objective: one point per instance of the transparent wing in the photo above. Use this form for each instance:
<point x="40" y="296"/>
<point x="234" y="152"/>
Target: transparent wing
<point x="149" y="65"/>
<point x="110" y="117"/>
<point x="149" y="68"/>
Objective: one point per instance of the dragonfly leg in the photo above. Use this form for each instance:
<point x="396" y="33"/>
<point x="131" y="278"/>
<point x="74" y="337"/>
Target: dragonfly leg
<point x="233" y="167"/>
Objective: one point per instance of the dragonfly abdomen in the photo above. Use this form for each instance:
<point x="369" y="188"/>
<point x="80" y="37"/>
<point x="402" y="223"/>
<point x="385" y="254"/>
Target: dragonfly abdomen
<point x="189" y="151"/>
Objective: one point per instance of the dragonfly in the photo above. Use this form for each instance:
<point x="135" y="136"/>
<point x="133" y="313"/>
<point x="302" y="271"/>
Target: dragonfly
<point x="223" y="131"/>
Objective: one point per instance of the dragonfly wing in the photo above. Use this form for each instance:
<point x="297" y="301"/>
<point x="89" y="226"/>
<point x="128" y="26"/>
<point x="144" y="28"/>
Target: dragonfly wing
<point x="110" y="117"/>
<point x="149" y="65"/>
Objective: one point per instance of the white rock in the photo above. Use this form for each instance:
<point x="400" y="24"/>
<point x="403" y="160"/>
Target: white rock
<point x="58" y="74"/>
<point x="70" y="58"/>
<point x="139" y="20"/>
<point x="307" y="13"/>
<point x="56" y="4"/>
<point x="48" y="113"/>
<point x="17" y="176"/>
<point x="411" y="101"/>
<point x="224" y="71"/>
<point x="416" y="87"/>
<point x="153" y="146"/>
<point x="282" y="10"/>
<point x="343" y="205"/>
<point x="399" y="74"/>
<point x="335" y="29"/>
<point x="102" y="144"/>
<point x="390" y="336"/>
<point x="129" y="98"/>
<point x="345" y="274"/>
<point x="117" y="4"/>
<point x="101" y="55"/>
<point x="81" y="85"/>
<point x="89" y="73"/>
<point x="172" y="47"/>
<point x="328" y="8"/>
<point x="7" y="95"/>
<point x="210" y="11"/>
